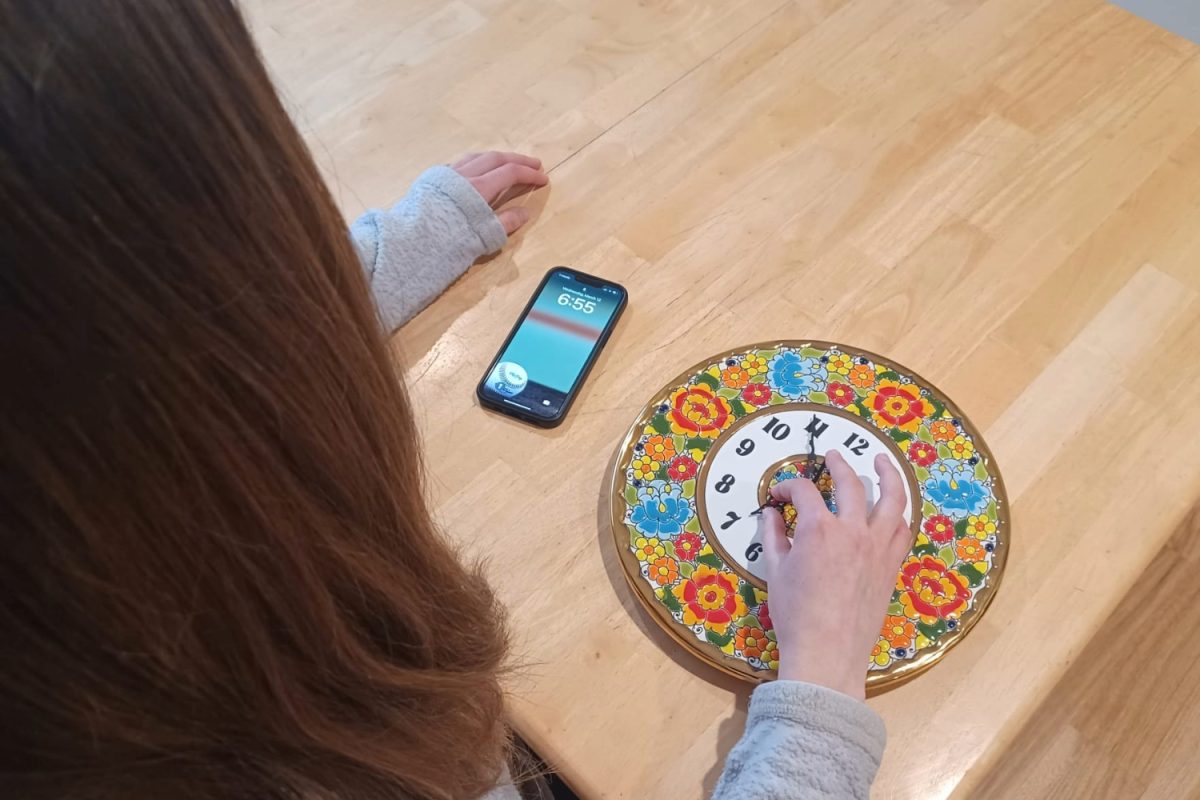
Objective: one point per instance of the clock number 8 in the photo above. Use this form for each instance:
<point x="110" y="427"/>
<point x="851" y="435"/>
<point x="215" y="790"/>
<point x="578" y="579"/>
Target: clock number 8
<point x="725" y="484"/>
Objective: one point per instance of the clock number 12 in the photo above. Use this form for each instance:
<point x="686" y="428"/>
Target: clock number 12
<point x="856" y="444"/>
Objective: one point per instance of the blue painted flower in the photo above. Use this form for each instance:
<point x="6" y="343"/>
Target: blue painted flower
<point x="958" y="497"/>
<point x="661" y="511"/>
<point x="793" y="376"/>
<point x="951" y="469"/>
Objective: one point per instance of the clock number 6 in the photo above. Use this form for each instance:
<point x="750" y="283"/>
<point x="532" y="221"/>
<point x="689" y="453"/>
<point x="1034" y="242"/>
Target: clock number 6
<point x="856" y="444"/>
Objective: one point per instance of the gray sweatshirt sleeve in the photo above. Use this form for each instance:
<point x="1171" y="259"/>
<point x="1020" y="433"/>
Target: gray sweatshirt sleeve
<point x="803" y="741"/>
<point x="418" y="247"/>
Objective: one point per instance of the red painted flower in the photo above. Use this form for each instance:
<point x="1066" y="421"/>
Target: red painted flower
<point x="764" y="616"/>
<point x="930" y="591"/>
<point x="682" y="468"/>
<point x="687" y="546"/>
<point x="840" y="394"/>
<point x="757" y="394"/>
<point x="697" y="411"/>
<point x="922" y="453"/>
<point x="898" y="405"/>
<point x="939" y="528"/>
<point x="710" y="597"/>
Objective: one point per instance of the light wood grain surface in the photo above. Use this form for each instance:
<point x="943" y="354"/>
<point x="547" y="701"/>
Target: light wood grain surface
<point x="1003" y="195"/>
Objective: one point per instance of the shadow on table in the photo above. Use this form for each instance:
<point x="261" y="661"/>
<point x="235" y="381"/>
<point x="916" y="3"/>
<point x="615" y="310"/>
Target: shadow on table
<point x="730" y="729"/>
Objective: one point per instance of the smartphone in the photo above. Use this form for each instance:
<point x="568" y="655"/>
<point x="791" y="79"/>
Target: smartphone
<point x="551" y="349"/>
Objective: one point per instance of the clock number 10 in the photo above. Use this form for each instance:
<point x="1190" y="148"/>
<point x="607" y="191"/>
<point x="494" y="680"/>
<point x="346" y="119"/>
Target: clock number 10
<point x="778" y="430"/>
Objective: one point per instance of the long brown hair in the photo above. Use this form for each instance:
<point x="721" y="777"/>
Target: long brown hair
<point x="218" y="575"/>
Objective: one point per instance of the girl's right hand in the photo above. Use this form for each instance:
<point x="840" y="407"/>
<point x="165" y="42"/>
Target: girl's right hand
<point x="500" y="177"/>
<point x="830" y="585"/>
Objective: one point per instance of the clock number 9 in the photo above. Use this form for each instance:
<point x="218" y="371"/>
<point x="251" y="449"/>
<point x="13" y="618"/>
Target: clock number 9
<point x="745" y="447"/>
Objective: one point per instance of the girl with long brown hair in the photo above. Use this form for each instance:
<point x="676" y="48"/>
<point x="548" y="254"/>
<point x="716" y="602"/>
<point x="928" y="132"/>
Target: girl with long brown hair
<point x="216" y="552"/>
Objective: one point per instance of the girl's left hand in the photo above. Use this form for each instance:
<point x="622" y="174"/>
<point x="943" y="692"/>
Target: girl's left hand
<point x="500" y="177"/>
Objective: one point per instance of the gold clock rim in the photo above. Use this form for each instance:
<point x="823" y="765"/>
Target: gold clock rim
<point x="702" y="503"/>
<point x="876" y="681"/>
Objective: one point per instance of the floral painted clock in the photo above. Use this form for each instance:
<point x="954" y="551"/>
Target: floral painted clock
<point x="704" y="453"/>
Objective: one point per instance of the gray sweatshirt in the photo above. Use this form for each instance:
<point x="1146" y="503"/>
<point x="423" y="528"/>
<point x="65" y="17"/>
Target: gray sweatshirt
<point x="801" y="741"/>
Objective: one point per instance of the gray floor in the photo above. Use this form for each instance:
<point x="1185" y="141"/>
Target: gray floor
<point x="1179" y="16"/>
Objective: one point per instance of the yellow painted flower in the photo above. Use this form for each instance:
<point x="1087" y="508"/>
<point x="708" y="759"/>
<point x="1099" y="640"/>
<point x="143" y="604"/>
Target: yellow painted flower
<point x="879" y="653"/>
<point x="839" y="364"/>
<point x="980" y="526"/>
<point x="649" y="549"/>
<point x="961" y="447"/>
<point x="644" y="467"/>
<point x="754" y="365"/>
<point x="660" y="448"/>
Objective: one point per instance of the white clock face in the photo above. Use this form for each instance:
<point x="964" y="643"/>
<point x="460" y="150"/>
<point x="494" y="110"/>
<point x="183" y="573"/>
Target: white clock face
<point x="738" y="471"/>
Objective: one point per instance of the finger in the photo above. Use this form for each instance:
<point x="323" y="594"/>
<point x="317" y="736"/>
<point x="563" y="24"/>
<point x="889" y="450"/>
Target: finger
<point x="495" y="183"/>
<point x="514" y="192"/>
<point x="484" y="163"/>
<point x="890" y="506"/>
<point x="801" y="493"/>
<point x="851" y="499"/>
<point x="900" y="542"/>
<point x="513" y="218"/>
<point x="773" y="534"/>
<point x="464" y="159"/>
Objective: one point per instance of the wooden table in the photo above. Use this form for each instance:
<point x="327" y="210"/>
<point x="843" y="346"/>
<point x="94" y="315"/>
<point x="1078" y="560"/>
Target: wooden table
<point x="1003" y="195"/>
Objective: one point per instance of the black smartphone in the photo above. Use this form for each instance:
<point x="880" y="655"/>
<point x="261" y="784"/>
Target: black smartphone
<point x="551" y="349"/>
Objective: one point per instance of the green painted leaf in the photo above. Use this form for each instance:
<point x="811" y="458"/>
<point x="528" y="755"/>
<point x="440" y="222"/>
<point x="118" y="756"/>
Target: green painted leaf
<point x="727" y="392"/>
<point x="924" y="435"/>
<point x="719" y="639"/>
<point x="946" y="554"/>
<point x="631" y="496"/>
<point x="739" y="410"/>
<point x="991" y="510"/>
<point x="932" y="631"/>
<point x="928" y="509"/>
<point x="634" y="535"/>
<point x="818" y="397"/>
<point x="686" y="569"/>
<point x="711" y="559"/>
<point x="899" y="436"/>
<point x="708" y="380"/>
<point x="669" y="599"/>
<point x="688" y="488"/>
<point x="777" y="399"/>
<point x="811" y="352"/>
<point x="960" y="529"/>
<point x="888" y="375"/>
<point x="697" y="443"/>
<point x="981" y="473"/>
<point x="693" y="525"/>
<point x="921" y="473"/>
<point x="767" y="355"/>
<point x="943" y="451"/>
<point x="661" y="474"/>
<point x="747" y="593"/>
<point x="742" y="622"/>
<point x="866" y="412"/>
<point x="971" y="575"/>
<point x="927" y="549"/>
<point x="660" y="424"/>
<point x="895" y="608"/>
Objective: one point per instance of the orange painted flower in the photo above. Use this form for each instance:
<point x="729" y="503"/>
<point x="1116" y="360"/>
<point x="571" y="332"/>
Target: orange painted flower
<point x="710" y="597"/>
<point x="899" y="631"/>
<point x="751" y="641"/>
<point x="697" y="411"/>
<point x="943" y="430"/>
<point x="898" y="405"/>
<point x="930" y="591"/>
<point x="735" y="377"/>
<point x="970" y="549"/>
<point x="660" y="448"/>
<point x="664" y="571"/>
<point x="840" y="394"/>
<point x="862" y="376"/>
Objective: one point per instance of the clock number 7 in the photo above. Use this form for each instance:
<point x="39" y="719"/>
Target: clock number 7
<point x="732" y="519"/>
<point x="856" y="444"/>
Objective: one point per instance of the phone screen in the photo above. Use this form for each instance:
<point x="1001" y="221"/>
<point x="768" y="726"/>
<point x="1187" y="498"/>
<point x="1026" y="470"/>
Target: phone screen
<point x="553" y="344"/>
